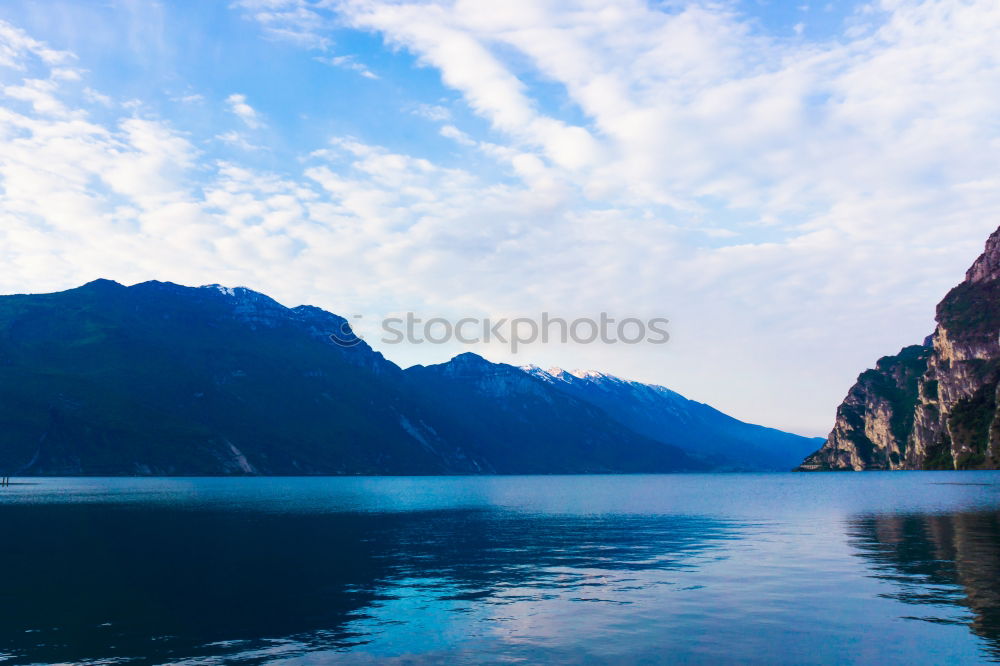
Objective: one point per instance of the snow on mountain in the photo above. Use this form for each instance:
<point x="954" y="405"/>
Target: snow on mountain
<point x="665" y="415"/>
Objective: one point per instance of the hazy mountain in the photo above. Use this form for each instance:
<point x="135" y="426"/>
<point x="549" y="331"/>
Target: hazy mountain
<point x="699" y="429"/>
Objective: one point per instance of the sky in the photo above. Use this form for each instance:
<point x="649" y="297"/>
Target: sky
<point x="793" y="185"/>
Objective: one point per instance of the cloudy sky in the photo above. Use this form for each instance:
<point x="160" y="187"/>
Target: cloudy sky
<point x="793" y="185"/>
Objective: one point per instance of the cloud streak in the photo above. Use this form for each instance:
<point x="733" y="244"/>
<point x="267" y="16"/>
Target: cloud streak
<point x="348" y="62"/>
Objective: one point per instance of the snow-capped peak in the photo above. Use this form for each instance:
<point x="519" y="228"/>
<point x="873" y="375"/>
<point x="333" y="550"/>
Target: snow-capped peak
<point x="551" y="375"/>
<point x="590" y="374"/>
<point x="556" y="373"/>
<point x="228" y="291"/>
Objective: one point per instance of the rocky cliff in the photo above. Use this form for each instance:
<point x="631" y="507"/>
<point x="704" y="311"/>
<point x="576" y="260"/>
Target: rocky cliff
<point x="932" y="406"/>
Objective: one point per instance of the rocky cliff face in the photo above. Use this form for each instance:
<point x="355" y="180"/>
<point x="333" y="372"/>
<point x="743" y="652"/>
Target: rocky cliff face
<point x="932" y="406"/>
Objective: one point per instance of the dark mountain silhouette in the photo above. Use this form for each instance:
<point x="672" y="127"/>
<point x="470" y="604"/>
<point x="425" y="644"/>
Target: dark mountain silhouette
<point x="161" y="379"/>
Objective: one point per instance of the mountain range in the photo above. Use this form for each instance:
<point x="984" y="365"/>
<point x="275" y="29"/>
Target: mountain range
<point x="162" y="379"/>
<point x="659" y="413"/>
<point x="932" y="405"/>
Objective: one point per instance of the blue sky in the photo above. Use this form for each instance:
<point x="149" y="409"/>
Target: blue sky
<point x="793" y="185"/>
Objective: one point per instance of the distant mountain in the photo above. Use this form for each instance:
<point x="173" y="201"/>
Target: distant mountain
<point x="514" y="420"/>
<point x="700" y="430"/>
<point x="163" y="379"/>
<point x="934" y="405"/>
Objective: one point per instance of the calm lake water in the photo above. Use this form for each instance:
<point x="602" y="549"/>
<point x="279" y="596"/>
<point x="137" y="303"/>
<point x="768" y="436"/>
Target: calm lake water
<point x="768" y="568"/>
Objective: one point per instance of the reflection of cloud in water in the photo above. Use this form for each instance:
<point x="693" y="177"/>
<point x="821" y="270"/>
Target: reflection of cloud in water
<point x="105" y="581"/>
<point x="499" y="583"/>
<point x="939" y="561"/>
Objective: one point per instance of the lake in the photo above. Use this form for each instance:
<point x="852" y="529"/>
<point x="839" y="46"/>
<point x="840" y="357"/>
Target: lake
<point x="745" y="568"/>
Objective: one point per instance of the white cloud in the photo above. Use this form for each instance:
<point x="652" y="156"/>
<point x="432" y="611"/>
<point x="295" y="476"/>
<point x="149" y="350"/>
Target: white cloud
<point x="16" y="45"/>
<point x="95" y="97"/>
<point x="237" y="140"/>
<point x="432" y="112"/>
<point x="190" y="98"/>
<point x="296" y="21"/>
<point x="348" y="62"/>
<point x="238" y="105"/>
<point x="691" y="104"/>
<point x="39" y="93"/>
<point x="455" y="134"/>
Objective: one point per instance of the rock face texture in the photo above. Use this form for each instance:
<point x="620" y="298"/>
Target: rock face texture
<point x="932" y="406"/>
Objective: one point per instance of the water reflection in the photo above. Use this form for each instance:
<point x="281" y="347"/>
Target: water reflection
<point x="939" y="562"/>
<point x="682" y="568"/>
<point x="116" y="581"/>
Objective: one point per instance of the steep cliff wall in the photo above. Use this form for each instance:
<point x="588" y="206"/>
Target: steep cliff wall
<point x="932" y="406"/>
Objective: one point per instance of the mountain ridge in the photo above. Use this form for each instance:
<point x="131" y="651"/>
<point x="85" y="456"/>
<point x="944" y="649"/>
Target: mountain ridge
<point x="698" y="428"/>
<point x="160" y="378"/>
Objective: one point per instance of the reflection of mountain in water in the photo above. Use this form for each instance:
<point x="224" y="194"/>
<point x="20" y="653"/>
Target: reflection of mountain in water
<point x="941" y="559"/>
<point x="105" y="581"/>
